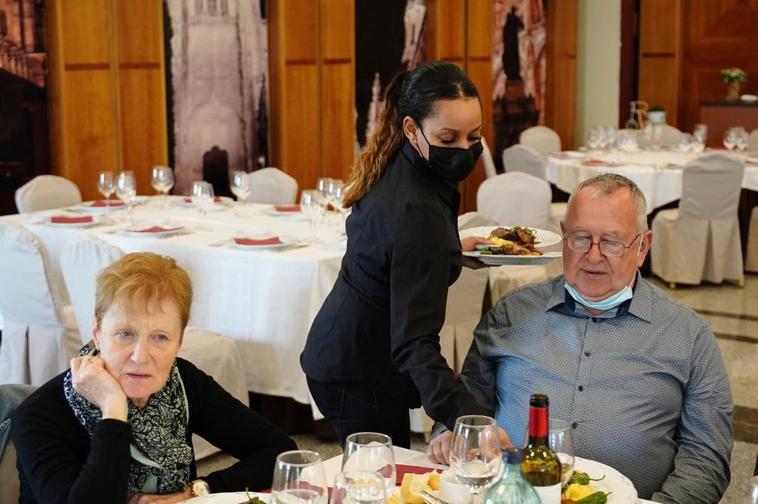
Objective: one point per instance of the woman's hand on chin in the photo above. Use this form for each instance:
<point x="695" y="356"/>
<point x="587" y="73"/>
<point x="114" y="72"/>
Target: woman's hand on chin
<point x="90" y="379"/>
<point x="140" y="498"/>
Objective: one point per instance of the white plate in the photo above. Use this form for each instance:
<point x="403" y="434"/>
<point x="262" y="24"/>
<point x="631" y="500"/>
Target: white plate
<point x="621" y="488"/>
<point x="227" y="498"/>
<point x="86" y="207"/>
<point x="501" y="260"/>
<point x="544" y="237"/>
<point x="95" y="220"/>
<point x="158" y="234"/>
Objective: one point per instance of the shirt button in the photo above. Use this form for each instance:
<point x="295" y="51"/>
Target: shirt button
<point x="580" y="388"/>
<point x="574" y="425"/>
<point x="587" y="353"/>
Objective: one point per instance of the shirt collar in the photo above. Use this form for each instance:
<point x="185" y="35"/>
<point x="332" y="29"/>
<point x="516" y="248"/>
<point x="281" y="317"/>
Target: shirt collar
<point x="448" y="192"/>
<point x="641" y="304"/>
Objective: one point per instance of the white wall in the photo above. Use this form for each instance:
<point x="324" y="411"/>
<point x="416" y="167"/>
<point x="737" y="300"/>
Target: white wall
<point x="598" y="65"/>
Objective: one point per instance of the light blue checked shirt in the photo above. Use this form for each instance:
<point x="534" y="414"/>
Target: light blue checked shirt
<point x="643" y="386"/>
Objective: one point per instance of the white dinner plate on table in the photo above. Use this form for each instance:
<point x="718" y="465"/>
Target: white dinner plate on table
<point x="621" y="488"/>
<point x="95" y="220"/>
<point x="89" y="208"/>
<point x="228" y="498"/>
<point x="543" y="238"/>
<point x="147" y="232"/>
<point x="520" y="260"/>
<point x="284" y="242"/>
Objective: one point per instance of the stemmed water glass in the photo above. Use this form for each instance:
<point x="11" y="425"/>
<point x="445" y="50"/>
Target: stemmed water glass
<point x="700" y="132"/>
<point x="561" y="441"/>
<point x="299" y="478"/>
<point x="334" y="192"/>
<point x="126" y="190"/>
<point x="370" y="451"/>
<point x="162" y="181"/>
<point x="730" y="138"/>
<point x="686" y="142"/>
<point x="322" y="186"/>
<point x="106" y="185"/>
<point x="742" y="139"/>
<point x="475" y="456"/>
<point x="312" y="207"/>
<point x="202" y="196"/>
<point x="358" y="487"/>
<point x="241" y="185"/>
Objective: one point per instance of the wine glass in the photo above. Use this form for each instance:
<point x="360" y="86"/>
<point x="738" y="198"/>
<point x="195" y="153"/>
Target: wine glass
<point x="685" y="142"/>
<point x="730" y="139"/>
<point x="334" y="192"/>
<point x="370" y="451"/>
<point x="299" y="478"/>
<point x="106" y="185"/>
<point x="700" y="132"/>
<point x="310" y="205"/>
<point x="561" y="441"/>
<point x="126" y="190"/>
<point x="162" y="181"/>
<point x="202" y="196"/>
<point x="241" y="185"/>
<point x="358" y="487"/>
<point x="322" y="186"/>
<point x="475" y="456"/>
<point x="741" y="139"/>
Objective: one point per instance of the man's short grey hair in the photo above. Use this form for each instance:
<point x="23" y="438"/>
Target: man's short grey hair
<point x="608" y="183"/>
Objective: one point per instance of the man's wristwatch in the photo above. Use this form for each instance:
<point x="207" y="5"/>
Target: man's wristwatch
<point x="199" y="487"/>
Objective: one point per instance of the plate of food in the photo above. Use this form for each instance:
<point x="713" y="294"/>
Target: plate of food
<point x="231" y="498"/>
<point x="513" y="245"/>
<point x="591" y="478"/>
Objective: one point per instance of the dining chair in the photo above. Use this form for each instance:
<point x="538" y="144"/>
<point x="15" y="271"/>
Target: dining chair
<point x="215" y="354"/>
<point x="522" y="158"/>
<point x="489" y="164"/>
<point x="273" y="186"/>
<point x="11" y="396"/>
<point x="517" y="198"/>
<point x="751" y="259"/>
<point x="700" y="240"/>
<point x="752" y="141"/>
<point x="44" y="192"/>
<point x="542" y="139"/>
<point x="39" y="326"/>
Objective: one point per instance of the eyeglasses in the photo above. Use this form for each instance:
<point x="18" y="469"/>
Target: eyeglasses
<point x="609" y="248"/>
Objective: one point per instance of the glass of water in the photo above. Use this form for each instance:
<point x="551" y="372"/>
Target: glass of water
<point x="358" y="487"/>
<point x="202" y="196"/>
<point x="299" y="478"/>
<point x="561" y="441"/>
<point x="162" y="181"/>
<point x="106" y="185"/>
<point x="126" y="190"/>
<point x="475" y="456"/>
<point x="370" y="451"/>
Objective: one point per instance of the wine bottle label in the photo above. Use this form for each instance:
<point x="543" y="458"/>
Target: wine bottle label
<point x="549" y="494"/>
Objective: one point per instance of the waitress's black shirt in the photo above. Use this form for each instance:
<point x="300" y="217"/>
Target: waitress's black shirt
<point x="380" y="324"/>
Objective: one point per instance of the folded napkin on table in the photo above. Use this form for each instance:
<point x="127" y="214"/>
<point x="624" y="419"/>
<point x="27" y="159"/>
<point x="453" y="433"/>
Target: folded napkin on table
<point x="274" y="240"/>
<point x="103" y="203"/>
<point x="287" y="208"/>
<point x="154" y="229"/>
<point x="65" y="219"/>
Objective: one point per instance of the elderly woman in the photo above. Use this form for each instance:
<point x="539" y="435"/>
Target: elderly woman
<point x="117" y="426"/>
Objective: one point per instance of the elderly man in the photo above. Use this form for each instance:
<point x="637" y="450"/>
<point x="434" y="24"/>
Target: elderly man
<point x="639" y="377"/>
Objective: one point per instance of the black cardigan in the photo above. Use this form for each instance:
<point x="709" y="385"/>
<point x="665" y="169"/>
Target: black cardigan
<point x="380" y="324"/>
<point x="59" y="463"/>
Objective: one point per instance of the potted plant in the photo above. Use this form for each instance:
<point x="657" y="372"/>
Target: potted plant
<point x="656" y="115"/>
<point x="733" y="77"/>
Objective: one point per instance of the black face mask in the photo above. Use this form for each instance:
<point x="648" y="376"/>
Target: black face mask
<point x="452" y="164"/>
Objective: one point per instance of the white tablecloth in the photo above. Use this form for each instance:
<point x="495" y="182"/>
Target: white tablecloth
<point x="657" y="173"/>
<point x="264" y="299"/>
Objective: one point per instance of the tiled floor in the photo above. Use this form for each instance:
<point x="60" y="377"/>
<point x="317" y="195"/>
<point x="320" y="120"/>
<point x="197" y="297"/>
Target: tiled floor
<point x="732" y="313"/>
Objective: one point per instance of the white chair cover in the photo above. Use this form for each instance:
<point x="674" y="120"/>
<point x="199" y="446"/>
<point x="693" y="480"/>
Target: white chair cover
<point x="215" y="354"/>
<point x="751" y="261"/>
<point x="272" y="186"/>
<point x="524" y="159"/>
<point x="463" y="312"/>
<point x="489" y="163"/>
<point x="47" y="191"/>
<point x="219" y="357"/>
<point x="39" y="333"/>
<point x="752" y="141"/>
<point x="701" y="239"/>
<point x="542" y="139"/>
<point x="81" y="261"/>
<point x="515" y="198"/>
<point x="474" y="219"/>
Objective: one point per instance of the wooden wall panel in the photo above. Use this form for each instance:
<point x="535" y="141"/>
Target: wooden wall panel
<point x="661" y="54"/>
<point x="560" y="92"/>
<point x="139" y="31"/>
<point x="302" y="125"/>
<point x="85" y="26"/>
<point x="446" y="33"/>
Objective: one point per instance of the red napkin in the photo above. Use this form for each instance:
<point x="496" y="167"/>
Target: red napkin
<point x="153" y="229"/>
<point x="402" y="469"/>
<point x="64" y="219"/>
<point x="216" y="199"/>
<point x="673" y="165"/>
<point x="594" y="162"/>
<point x="103" y="203"/>
<point x="287" y="208"/>
<point x="274" y="240"/>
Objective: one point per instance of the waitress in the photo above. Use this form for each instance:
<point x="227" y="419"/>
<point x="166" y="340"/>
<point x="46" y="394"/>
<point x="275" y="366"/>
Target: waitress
<point x="373" y="351"/>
